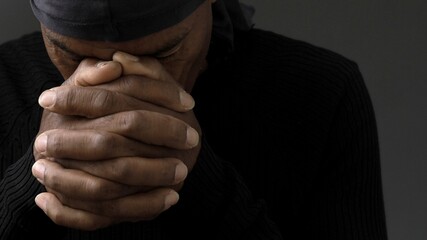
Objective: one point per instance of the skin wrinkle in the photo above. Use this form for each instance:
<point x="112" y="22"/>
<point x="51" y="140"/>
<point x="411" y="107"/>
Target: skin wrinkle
<point x="171" y="44"/>
<point x="180" y="66"/>
<point x="184" y="65"/>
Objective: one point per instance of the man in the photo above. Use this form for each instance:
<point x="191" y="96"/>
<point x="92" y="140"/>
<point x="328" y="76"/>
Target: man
<point x="173" y="119"/>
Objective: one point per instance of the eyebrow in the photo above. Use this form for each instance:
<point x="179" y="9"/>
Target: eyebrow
<point x="169" y="45"/>
<point x="62" y="46"/>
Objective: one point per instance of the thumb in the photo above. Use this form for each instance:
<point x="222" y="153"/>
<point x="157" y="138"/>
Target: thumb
<point x="92" y="72"/>
<point x="144" y="66"/>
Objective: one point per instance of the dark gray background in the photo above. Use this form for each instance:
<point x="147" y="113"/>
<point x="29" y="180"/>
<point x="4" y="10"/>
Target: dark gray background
<point x="388" y="39"/>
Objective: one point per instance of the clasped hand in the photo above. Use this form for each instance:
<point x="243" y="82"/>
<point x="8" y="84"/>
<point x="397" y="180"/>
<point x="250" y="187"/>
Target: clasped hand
<point x="116" y="142"/>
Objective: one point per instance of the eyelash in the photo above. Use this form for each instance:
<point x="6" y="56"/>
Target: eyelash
<point x="77" y="60"/>
<point x="163" y="58"/>
<point x="172" y="52"/>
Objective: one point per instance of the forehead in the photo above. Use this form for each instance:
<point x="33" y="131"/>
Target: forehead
<point x="111" y="20"/>
<point x="141" y="46"/>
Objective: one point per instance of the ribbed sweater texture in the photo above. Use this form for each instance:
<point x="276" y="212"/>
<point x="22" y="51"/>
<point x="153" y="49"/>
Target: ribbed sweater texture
<point x="289" y="150"/>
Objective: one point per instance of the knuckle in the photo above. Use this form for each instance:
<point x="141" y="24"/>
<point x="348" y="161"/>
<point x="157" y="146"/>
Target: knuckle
<point x="128" y="122"/>
<point x="178" y="130"/>
<point x="128" y="82"/>
<point x="85" y="101"/>
<point x="120" y="170"/>
<point x="69" y="98"/>
<point x="101" y="101"/>
<point x="52" y="179"/>
<point x="101" y="98"/>
<point x="101" y="189"/>
<point x="99" y="138"/>
<point x="168" y="173"/>
<point x="56" y="216"/>
<point x="92" y="187"/>
<point x="54" y="143"/>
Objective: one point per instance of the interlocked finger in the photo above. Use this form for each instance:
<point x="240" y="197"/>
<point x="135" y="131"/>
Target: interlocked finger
<point x="141" y="206"/>
<point x="76" y="183"/>
<point x="163" y="93"/>
<point x="94" y="145"/>
<point x="73" y="218"/>
<point x="91" y="72"/>
<point x="88" y="102"/>
<point x="150" y="172"/>
<point x="145" y="66"/>
<point x="145" y="126"/>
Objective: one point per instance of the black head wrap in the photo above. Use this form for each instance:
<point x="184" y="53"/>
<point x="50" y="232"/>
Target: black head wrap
<point x="121" y="20"/>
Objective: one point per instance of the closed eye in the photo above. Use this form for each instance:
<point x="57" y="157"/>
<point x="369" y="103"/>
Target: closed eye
<point x="168" y="53"/>
<point x="75" y="58"/>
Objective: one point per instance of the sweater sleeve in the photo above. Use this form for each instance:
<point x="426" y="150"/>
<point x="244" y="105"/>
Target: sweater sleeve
<point x="20" y="218"/>
<point x="18" y="189"/>
<point x="218" y="204"/>
<point x="21" y="81"/>
<point x="348" y="200"/>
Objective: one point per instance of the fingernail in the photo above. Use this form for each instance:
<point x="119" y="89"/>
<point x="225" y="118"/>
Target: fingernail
<point x="171" y="199"/>
<point x="102" y="64"/>
<point x="38" y="171"/>
<point x="41" y="143"/>
<point x="41" y="202"/>
<point x="192" y="137"/>
<point x="129" y="57"/>
<point x="186" y="100"/>
<point x="180" y="172"/>
<point x="47" y="99"/>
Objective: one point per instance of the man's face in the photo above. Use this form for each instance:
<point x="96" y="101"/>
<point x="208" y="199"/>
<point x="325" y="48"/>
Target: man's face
<point x="182" y="48"/>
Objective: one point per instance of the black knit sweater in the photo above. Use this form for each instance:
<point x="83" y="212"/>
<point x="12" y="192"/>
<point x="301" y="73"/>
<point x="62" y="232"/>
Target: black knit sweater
<point x="290" y="148"/>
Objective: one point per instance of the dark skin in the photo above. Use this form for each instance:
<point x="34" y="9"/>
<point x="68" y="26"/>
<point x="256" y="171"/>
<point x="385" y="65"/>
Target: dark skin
<point x="118" y="137"/>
